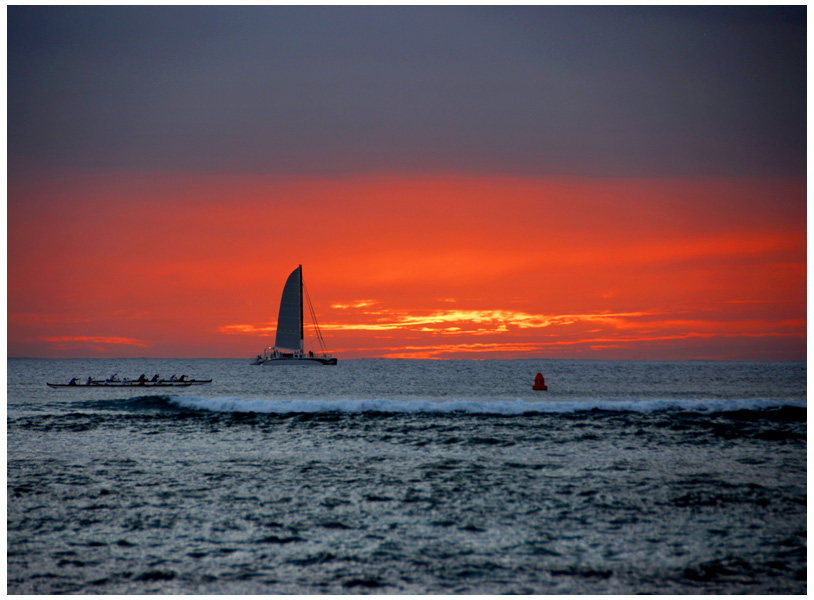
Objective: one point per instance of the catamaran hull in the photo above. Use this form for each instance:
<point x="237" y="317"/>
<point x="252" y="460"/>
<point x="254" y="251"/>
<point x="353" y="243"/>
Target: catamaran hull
<point x="300" y="361"/>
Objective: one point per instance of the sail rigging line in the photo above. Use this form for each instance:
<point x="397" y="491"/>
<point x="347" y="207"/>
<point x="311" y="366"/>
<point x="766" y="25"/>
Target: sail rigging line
<point x="320" y="339"/>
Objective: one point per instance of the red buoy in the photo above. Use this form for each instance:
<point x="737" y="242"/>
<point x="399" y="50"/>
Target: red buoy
<point x="539" y="383"/>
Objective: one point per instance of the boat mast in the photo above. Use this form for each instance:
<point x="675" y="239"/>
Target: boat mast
<point x="302" y="329"/>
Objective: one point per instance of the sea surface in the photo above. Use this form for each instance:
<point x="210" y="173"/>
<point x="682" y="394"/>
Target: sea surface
<point x="408" y="477"/>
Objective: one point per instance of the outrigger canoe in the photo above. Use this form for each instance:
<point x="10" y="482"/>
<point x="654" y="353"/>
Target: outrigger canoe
<point x="163" y="383"/>
<point x="98" y="384"/>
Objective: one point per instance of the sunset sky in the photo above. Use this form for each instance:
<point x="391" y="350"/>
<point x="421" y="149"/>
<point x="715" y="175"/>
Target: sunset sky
<point x="457" y="182"/>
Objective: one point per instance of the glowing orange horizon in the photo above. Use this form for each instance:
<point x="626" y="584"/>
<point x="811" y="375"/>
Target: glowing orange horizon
<point x="193" y="265"/>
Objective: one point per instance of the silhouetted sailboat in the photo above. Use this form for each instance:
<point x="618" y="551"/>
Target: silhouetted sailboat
<point x="289" y="346"/>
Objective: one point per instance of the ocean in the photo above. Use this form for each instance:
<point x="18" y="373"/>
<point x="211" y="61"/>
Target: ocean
<point x="408" y="477"/>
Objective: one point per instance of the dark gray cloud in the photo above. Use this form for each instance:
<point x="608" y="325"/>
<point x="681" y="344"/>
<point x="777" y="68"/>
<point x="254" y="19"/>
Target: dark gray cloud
<point x="538" y="90"/>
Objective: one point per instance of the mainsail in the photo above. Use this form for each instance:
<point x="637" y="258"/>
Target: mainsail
<point x="289" y="321"/>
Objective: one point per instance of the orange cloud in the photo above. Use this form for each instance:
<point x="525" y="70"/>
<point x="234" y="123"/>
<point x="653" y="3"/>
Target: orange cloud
<point x="84" y="339"/>
<point x="193" y="265"/>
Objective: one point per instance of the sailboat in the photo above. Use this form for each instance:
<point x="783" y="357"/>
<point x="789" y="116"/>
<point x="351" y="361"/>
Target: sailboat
<point x="289" y="346"/>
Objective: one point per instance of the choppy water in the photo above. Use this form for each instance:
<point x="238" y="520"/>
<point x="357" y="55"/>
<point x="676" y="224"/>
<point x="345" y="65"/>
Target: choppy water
<point x="409" y="477"/>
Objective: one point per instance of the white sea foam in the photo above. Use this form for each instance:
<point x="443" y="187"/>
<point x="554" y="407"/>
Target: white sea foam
<point x="474" y="406"/>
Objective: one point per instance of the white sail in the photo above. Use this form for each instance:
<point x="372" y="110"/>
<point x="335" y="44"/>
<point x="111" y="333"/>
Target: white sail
<point x="289" y="321"/>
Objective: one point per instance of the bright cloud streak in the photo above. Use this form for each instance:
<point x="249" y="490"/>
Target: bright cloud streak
<point x="621" y="330"/>
<point x="488" y="321"/>
<point x="492" y="320"/>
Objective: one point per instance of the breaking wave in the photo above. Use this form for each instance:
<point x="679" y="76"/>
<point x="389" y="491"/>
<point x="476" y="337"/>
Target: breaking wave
<point x="473" y="406"/>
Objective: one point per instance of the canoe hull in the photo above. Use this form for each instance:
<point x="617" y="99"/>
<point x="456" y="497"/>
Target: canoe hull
<point x="130" y="384"/>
